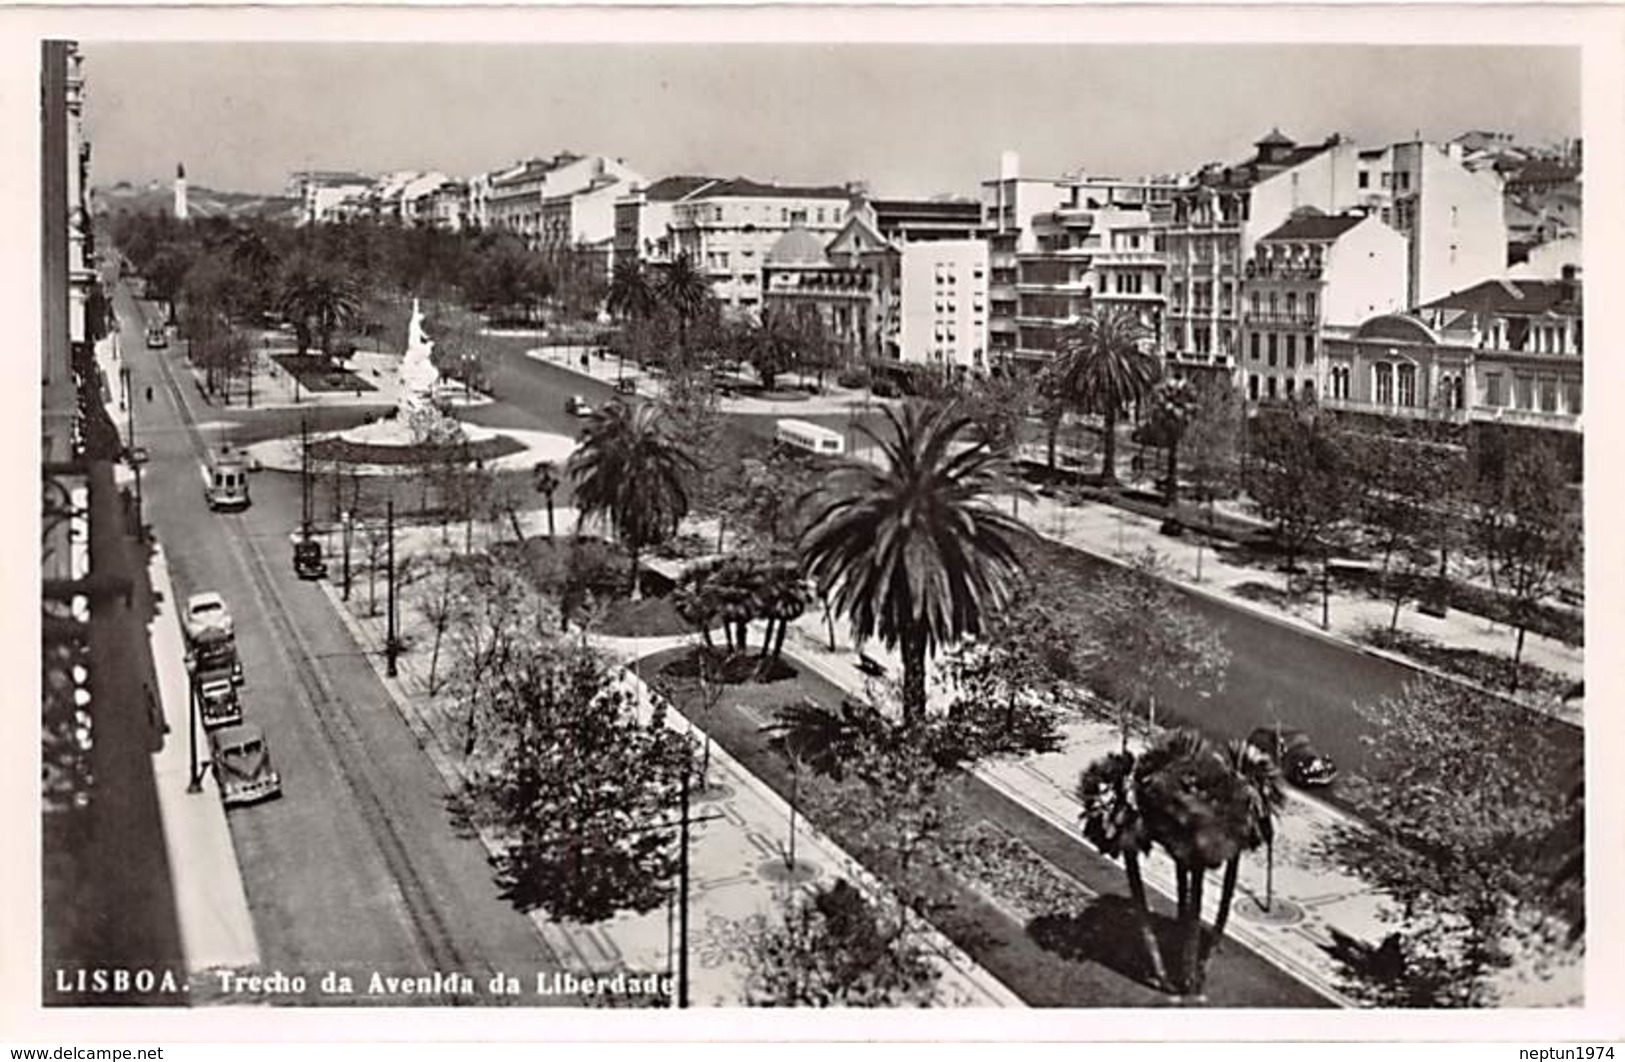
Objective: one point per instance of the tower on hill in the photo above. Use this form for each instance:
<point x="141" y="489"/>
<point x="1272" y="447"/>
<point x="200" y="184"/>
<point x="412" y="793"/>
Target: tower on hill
<point x="180" y="191"/>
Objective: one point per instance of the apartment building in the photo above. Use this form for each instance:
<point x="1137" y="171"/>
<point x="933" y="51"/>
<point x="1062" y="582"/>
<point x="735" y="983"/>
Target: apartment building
<point x="1009" y="203"/>
<point x="513" y="201"/>
<point x="321" y="192"/>
<point x="1454" y="217"/>
<point x="944" y="312"/>
<point x="1501" y="352"/>
<point x="643" y="217"/>
<point x="1313" y="273"/>
<point x="727" y="228"/>
<point x="1095" y="248"/>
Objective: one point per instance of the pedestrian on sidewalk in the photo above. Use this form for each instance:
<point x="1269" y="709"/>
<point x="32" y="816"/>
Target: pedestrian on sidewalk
<point x="149" y="392"/>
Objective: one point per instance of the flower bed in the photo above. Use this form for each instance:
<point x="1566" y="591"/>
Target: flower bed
<point x="318" y="375"/>
<point x="346" y="452"/>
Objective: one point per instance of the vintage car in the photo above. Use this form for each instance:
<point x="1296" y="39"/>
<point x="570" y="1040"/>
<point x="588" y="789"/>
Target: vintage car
<point x="577" y="406"/>
<point x="206" y="614"/>
<point x="242" y="765"/>
<point x="626" y="386"/>
<point x="308" y="562"/>
<point x="1299" y="761"/>
<point x="217" y="701"/>
<point x="157" y="337"/>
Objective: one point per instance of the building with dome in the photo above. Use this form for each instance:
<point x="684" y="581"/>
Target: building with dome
<point x="1503" y="353"/>
<point x="801" y="280"/>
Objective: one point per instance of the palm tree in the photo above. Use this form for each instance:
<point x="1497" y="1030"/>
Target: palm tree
<point x="319" y="300"/>
<point x="1262" y="800"/>
<point x="1113" y="824"/>
<point x="630" y="294"/>
<point x="1102" y="364"/>
<point x="628" y="471"/>
<point x="684" y="291"/>
<point x="1173" y="406"/>
<point x="915" y="552"/>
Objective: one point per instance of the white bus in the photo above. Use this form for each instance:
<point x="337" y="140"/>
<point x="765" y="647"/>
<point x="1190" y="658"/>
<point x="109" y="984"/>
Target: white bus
<point x="810" y="437"/>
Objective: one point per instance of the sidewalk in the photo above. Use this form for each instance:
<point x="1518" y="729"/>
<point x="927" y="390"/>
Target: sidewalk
<point x="1311" y="897"/>
<point x="736" y="850"/>
<point x="212" y="908"/>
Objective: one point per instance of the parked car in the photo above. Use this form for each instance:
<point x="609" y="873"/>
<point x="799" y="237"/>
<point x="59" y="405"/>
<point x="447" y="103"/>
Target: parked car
<point x="577" y="406"/>
<point x="626" y="386"/>
<point x="217" y="700"/>
<point x="1300" y="762"/>
<point x="206" y="614"/>
<point x="308" y="562"/>
<point x="242" y="765"/>
<point x="157" y="337"/>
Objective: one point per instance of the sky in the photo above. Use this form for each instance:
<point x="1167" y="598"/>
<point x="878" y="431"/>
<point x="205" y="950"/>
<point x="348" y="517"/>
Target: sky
<point x="909" y="119"/>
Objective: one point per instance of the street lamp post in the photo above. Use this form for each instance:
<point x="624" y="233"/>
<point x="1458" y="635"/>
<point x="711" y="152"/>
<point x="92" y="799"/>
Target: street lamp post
<point x="391" y="644"/>
<point x="347" y="532"/>
<point x="194" y="774"/>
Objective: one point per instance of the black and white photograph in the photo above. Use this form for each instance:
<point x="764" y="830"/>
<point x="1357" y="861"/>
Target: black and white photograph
<point x="975" y="516"/>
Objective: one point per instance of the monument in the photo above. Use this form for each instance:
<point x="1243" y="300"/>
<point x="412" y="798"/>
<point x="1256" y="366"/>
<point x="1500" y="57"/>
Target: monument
<point x="418" y="375"/>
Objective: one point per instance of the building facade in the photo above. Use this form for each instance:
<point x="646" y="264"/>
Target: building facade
<point x="1009" y="203"/>
<point x="800" y="280"/>
<point x="727" y="228"/>
<point x="1313" y="273"/>
<point x="1508" y="353"/>
<point x="643" y="217"/>
<point x="944" y="314"/>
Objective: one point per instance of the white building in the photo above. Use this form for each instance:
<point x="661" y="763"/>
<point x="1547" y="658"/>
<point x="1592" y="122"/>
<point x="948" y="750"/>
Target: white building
<point x="727" y="228"/>
<point x="1009" y="204"/>
<point x="945" y="287"/>
<point x="320" y="192"/>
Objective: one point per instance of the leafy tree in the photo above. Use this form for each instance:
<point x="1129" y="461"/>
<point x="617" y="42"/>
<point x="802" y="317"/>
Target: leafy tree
<point x="694" y="421"/>
<point x="580" y="789"/>
<point x="1258" y="806"/>
<point x="1102" y="365"/>
<point x="1300" y="479"/>
<point x="834" y="949"/>
<point x="319" y="300"/>
<point x="628" y="471"/>
<point x="1148" y="638"/>
<point x="914" y="553"/>
<point x="1528" y="532"/>
<point x="1403" y="484"/>
<point x="1463" y="862"/>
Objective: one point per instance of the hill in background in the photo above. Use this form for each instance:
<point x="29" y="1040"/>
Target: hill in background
<point x="155" y="198"/>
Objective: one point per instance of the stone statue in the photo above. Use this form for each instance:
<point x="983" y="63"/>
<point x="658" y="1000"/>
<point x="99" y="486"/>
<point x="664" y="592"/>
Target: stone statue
<point x="418" y="379"/>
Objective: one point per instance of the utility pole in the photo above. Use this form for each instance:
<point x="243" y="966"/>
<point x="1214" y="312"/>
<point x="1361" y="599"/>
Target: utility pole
<point x="682" y="905"/>
<point x="304" y="478"/>
<point x="194" y="777"/>
<point x="391" y="646"/>
<point x="348" y="522"/>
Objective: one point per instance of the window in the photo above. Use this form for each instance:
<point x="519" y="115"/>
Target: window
<point x="1254" y="300"/>
<point x="1309" y="389"/>
<point x="1548" y="395"/>
<point x="1309" y="306"/>
<point x="1253" y="344"/>
<point x="1252" y="387"/>
<point x="1526" y="392"/>
<point x="1272" y="387"/>
<point x="1407" y="385"/>
<point x="1308" y="351"/>
<point x="1291" y="385"/>
<point x="1292" y="352"/>
<point x="1383" y="373"/>
<point x="1492" y="389"/>
<point x="1292" y="304"/>
<point x="1365" y="179"/>
<point x="1271" y="348"/>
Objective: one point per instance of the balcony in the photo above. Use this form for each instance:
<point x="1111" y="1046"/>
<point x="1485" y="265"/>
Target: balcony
<point x="1291" y="320"/>
<point x="1526" y="418"/>
<point x="1381" y="409"/>
<point x="1282" y="271"/>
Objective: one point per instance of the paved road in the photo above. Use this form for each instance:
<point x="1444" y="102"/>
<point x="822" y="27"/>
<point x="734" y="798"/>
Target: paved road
<point x="356" y="868"/>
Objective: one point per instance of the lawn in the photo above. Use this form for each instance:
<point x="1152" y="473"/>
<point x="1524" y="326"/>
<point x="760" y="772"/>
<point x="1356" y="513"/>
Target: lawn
<point x="603" y="570"/>
<point x="316" y="373"/>
<point x="1040" y="911"/>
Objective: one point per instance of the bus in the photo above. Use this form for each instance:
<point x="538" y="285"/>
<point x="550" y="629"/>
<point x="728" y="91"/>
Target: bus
<point x="810" y="437"/>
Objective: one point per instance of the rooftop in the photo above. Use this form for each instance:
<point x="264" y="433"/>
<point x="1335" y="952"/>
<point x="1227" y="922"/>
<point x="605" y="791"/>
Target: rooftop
<point x="1315" y="226"/>
<point x="1518" y="298"/>
<point x="671" y="189"/>
<point x="745" y="188"/>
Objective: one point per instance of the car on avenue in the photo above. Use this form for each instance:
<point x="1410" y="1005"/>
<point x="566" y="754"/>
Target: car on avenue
<point x="157" y="337"/>
<point x="1300" y="762"/>
<point x="577" y="406"/>
<point x="206" y="616"/>
<point x="242" y="765"/>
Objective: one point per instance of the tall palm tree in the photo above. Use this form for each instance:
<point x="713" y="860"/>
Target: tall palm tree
<point x="684" y="291"/>
<point x="915" y="552"/>
<point x="629" y="472"/>
<point x="631" y="296"/>
<point x="1102" y="364"/>
<point x="1113" y="824"/>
